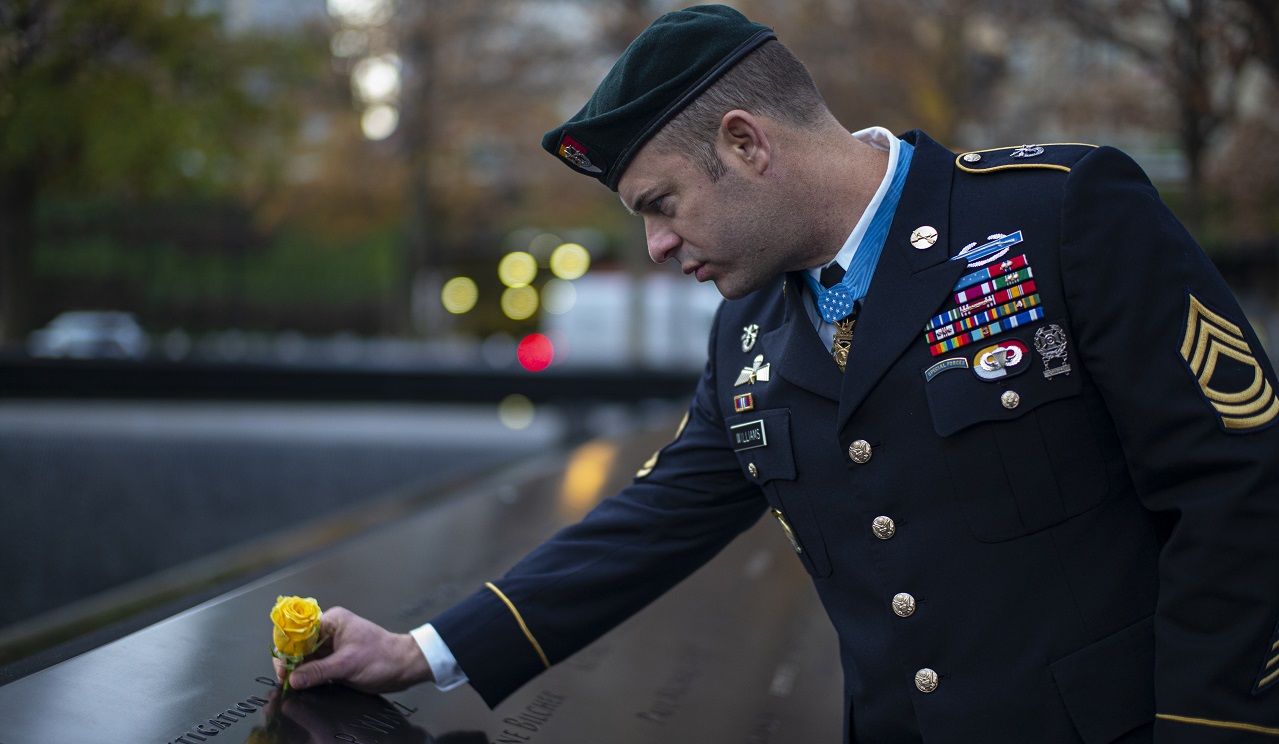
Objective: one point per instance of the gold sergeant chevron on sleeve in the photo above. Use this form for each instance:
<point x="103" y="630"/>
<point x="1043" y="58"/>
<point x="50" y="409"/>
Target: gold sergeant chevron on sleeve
<point x="1269" y="672"/>
<point x="1208" y="338"/>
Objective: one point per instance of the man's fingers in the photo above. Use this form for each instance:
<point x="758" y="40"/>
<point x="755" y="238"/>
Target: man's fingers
<point x="332" y="620"/>
<point x="317" y="672"/>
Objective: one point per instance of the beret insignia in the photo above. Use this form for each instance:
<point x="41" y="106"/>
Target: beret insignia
<point x="575" y="153"/>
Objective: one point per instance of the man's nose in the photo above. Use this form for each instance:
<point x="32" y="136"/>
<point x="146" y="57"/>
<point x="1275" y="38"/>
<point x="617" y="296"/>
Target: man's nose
<point x="662" y="242"/>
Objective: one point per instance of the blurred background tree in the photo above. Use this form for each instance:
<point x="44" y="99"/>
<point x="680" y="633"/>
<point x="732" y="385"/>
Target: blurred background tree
<point x="1198" y="51"/>
<point x="324" y="166"/>
<point x="128" y="113"/>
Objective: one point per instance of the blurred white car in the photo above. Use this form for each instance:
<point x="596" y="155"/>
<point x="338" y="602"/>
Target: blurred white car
<point x="84" y="334"/>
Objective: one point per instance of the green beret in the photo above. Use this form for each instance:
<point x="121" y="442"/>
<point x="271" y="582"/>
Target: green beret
<point x="660" y="73"/>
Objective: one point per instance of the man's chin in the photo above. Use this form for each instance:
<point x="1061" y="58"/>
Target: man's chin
<point x="727" y="290"/>
<point x="734" y="290"/>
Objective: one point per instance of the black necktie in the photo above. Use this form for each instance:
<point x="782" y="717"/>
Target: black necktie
<point x="832" y="275"/>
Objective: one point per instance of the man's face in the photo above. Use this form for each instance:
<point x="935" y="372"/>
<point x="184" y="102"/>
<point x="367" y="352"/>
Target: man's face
<point x="720" y="231"/>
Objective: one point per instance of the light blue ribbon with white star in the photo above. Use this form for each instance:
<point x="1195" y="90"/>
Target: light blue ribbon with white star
<point x="836" y="303"/>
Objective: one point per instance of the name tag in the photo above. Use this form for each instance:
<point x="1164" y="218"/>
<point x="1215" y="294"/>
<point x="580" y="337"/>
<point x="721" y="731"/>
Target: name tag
<point x="748" y="435"/>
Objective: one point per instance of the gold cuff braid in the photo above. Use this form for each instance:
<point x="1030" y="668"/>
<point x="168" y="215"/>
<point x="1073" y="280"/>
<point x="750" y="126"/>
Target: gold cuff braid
<point x="1249" y="727"/>
<point x="527" y="633"/>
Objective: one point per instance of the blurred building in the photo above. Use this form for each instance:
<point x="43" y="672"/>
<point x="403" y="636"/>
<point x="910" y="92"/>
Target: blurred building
<point x="619" y="320"/>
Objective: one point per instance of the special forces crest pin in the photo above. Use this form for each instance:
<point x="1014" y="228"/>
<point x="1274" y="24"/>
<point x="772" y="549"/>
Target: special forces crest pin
<point x="749" y="334"/>
<point x="1050" y="342"/>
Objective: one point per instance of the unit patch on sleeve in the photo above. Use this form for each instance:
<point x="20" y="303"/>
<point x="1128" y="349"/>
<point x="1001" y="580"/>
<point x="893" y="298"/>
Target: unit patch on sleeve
<point x="1229" y="376"/>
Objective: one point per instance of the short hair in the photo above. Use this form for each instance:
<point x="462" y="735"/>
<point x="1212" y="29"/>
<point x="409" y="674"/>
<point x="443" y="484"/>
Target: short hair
<point x="770" y="81"/>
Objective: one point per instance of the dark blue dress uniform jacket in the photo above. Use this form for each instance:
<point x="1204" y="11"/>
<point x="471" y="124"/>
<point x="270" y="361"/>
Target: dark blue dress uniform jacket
<point x="1090" y="555"/>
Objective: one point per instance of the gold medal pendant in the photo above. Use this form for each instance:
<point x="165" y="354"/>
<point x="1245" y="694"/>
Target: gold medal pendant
<point x="843" y="339"/>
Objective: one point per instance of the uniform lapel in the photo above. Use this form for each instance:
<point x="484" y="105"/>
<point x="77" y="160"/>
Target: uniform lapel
<point x="795" y="350"/>
<point x="909" y="284"/>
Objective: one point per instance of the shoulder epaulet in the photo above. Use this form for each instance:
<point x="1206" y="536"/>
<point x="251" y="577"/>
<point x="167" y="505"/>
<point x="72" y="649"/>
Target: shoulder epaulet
<point x="1059" y="156"/>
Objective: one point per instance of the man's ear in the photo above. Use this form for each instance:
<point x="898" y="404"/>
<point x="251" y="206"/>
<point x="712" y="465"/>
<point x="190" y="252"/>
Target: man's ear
<point x="743" y="138"/>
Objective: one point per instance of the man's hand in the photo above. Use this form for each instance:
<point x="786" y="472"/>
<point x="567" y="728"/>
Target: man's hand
<point x="360" y="654"/>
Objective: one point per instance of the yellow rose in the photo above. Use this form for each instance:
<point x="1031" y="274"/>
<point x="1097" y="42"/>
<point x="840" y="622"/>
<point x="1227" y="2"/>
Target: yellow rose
<point x="297" y="626"/>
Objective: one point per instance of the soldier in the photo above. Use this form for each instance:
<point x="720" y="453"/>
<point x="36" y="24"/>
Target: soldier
<point x="1002" y="406"/>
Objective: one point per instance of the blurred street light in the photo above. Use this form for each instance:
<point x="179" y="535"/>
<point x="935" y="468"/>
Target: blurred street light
<point x="519" y="303"/>
<point x="535" y="352"/>
<point x="517" y="269"/>
<point x="570" y="261"/>
<point x="558" y="296"/>
<point x="379" y="122"/>
<point x="459" y="295"/>
<point x="377" y="79"/>
<point x="516" y="412"/>
<point x="362" y="12"/>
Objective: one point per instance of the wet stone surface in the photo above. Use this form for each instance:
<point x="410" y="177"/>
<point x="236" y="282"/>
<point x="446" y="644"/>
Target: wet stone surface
<point x="740" y="652"/>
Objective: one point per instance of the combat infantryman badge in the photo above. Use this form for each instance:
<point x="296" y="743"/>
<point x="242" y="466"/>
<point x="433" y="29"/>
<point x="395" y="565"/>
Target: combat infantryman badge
<point x="756" y="372"/>
<point x="749" y="334"/>
<point x="1210" y="346"/>
<point x="996" y="246"/>
<point x="1050" y="342"/>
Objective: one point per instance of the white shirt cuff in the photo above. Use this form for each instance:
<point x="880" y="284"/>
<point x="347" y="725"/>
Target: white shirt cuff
<point x="443" y="664"/>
